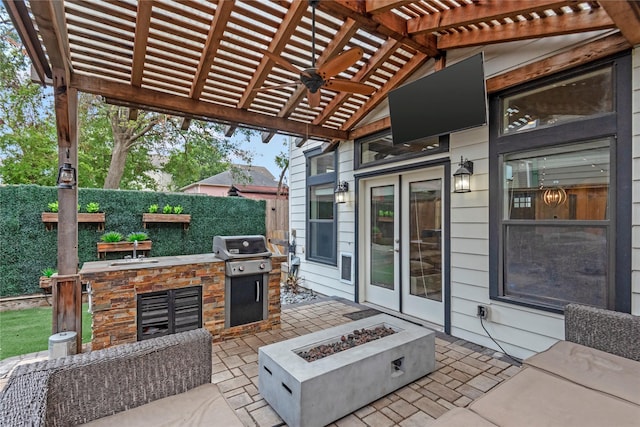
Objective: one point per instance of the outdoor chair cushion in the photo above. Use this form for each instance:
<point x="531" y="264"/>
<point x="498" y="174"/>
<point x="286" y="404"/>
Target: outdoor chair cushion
<point x="201" y="406"/>
<point x="535" y="398"/>
<point x="591" y="368"/>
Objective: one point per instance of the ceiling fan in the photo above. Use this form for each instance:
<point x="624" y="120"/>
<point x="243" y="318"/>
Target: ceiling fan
<point x="314" y="77"/>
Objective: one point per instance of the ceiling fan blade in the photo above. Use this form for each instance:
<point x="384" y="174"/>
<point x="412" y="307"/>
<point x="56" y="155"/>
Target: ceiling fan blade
<point x="282" y="62"/>
<point x="313" y="98"/>
<point x="339" y="63"/>
<point x="266" y="88"/>
<point x="349" y="86"/>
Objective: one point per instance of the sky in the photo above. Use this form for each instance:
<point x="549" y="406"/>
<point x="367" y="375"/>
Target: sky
<point x="264" y="154"/>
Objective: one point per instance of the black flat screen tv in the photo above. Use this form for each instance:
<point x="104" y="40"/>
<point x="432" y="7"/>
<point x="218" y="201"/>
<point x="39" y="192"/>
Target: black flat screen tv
<point x="446" y="101"/>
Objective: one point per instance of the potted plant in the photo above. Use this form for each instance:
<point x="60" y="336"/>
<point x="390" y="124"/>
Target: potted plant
<point x="45" y="279"/>
<point x="377" y="233"/>
<point x="114" y="241"/>
<point x="170" y="214"/>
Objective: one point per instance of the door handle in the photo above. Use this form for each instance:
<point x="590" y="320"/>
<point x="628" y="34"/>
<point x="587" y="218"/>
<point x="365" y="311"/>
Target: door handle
<point x="257" y="291"/>
<point x="397" y="250"/>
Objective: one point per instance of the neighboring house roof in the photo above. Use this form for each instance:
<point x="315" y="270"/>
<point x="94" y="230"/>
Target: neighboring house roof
<point x="239" y="174"/>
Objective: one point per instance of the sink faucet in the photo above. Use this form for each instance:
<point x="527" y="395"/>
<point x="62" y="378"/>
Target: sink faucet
<point x="135" y="248"/>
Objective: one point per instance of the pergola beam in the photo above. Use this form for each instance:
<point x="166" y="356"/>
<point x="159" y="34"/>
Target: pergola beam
<point x="125" y="95"/>
<point x="386" y="23"/>
<point x="479" y="11"/>
<point x="287" y="27"/>
<point x="19" y="15"/>
<point x="579" y="22"/>
<point x="626" y="15"/>
<point x="143" y="20"/>
<point x="380" y="6"/>
<point x="216" y="30"/>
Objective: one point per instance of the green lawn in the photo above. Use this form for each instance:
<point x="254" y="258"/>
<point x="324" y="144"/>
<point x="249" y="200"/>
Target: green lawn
<point x="28" y="330"/>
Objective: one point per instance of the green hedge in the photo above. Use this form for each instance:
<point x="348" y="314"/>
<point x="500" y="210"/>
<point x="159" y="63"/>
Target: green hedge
<point x="26" y="247"/>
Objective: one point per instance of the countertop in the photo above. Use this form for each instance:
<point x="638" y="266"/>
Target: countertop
<point x="150" y="262"/>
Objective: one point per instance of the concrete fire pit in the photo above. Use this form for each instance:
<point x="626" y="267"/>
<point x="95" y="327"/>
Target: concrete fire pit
<point x="317" y="393"/>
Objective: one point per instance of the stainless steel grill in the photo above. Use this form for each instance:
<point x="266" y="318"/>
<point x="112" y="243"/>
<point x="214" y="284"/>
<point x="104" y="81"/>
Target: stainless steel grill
<point x="247" y="267"/>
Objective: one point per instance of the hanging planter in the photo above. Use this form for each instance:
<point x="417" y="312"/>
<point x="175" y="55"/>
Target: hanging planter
<point x="90" y="216"/>
<point x="170" y="214"/>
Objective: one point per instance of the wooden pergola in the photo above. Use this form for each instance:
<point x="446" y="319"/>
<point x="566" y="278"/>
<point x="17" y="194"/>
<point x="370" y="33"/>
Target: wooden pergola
<point x="203" y="59"/>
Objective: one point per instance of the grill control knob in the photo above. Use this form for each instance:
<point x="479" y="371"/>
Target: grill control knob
<point x="241" y="267"/>
<point x="262" y="266"/>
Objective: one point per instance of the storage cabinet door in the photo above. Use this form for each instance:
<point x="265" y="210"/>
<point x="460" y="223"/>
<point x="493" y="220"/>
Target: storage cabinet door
<point x="246" y="300"/>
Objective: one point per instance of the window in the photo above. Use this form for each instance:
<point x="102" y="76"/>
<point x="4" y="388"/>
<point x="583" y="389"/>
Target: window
<point x="379" y="148"/>
<point x="321" y="211"/>
<point x="570" y="99"/>
<point x="560" y="218"/>
<point x="564" y="238"/>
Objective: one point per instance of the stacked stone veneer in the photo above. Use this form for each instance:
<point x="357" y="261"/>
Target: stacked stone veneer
<point x="113" y="299"/>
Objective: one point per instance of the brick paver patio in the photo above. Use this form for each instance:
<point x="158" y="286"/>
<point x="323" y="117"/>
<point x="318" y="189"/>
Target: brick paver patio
<point x="464" y="372"/>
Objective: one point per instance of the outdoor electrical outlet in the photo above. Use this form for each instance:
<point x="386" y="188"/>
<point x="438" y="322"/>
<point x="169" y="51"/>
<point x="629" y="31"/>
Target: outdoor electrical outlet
<point x="483" y="312"/>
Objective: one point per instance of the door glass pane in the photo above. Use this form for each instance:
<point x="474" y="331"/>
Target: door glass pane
<point x="382" y="236"/>
<point x="425" y="233"/>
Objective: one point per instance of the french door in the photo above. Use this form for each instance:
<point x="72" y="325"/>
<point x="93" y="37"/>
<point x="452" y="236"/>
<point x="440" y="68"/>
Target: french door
<point x="403" y="250"/>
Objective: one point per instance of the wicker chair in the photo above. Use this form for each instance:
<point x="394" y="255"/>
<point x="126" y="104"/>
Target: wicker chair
<point x="81" y="388"/>
<point x="610" y="331"/>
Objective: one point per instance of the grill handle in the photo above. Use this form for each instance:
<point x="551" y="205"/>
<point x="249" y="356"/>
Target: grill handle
<point x="257" y="291"/>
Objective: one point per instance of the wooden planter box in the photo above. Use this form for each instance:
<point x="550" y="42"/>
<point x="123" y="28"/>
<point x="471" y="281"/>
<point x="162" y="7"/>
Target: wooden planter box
<point x="51" y="218"/>
<point x="46" y="283"/>
<point x="144" y="246"/>
<point x="183" y="219"/>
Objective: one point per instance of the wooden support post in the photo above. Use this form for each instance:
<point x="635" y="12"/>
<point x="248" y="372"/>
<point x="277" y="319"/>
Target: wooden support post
<point x="67" y="299"/>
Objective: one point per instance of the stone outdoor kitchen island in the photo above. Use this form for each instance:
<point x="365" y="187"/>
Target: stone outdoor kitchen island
<point x="115" y="288"/>
<point x="309" y="394"/>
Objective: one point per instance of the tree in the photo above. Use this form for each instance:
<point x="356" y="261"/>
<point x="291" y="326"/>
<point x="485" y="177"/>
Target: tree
<point x="113" y="151"/>
<point x="282" y="161"/>
<point x="28" y="141"/>
<point x="96" y="147"/>
<point x="127" y="134"/>
<point x="200" y="152"/>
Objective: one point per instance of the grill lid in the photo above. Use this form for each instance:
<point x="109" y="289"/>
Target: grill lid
<point x="237" y="247"/>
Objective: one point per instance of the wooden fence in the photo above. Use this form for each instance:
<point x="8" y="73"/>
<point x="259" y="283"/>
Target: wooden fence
<point x="277" y="225"/>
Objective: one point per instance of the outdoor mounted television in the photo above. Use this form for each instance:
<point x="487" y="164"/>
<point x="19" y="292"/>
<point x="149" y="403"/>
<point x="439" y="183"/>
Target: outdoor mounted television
<point x="446" y="101"/>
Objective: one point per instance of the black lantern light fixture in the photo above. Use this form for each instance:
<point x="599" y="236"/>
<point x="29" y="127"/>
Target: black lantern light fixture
<point x="342" y="189"/>
<point x="66" y="176"/>
<point x="462" y="177"/>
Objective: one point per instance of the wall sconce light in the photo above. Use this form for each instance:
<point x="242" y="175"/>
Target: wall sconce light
<point x="341" y="192"/>
<point x="66" y="176"/>
<point x="462" y="177"/>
